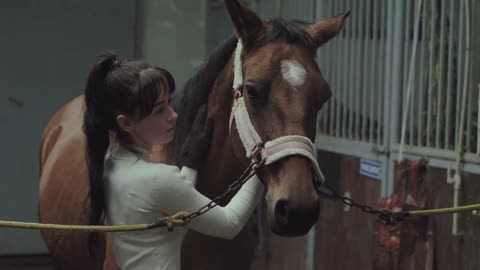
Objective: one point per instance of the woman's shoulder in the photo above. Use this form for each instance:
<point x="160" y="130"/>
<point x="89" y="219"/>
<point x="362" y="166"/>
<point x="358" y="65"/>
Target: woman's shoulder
<point x="139" y="168"/>
<point x="127" y="165"/>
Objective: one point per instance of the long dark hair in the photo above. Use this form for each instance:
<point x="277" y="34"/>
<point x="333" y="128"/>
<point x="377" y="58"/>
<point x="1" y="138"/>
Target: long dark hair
<point x="114" y="87"/>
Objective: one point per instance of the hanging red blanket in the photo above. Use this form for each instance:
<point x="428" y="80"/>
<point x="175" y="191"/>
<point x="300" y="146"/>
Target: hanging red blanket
<point x="409" y="244"/>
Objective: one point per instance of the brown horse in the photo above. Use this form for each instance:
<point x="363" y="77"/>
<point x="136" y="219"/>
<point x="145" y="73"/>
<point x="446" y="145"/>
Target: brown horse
<point x="283" y="91"/>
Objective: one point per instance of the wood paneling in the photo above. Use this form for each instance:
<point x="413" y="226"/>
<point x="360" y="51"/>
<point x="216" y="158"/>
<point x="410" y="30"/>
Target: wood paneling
<point x="344" y="239"/>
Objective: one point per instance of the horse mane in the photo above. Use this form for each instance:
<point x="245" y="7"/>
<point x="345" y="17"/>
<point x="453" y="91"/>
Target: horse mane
<point x="289" y="31"/>
<point x="187" y="100"/>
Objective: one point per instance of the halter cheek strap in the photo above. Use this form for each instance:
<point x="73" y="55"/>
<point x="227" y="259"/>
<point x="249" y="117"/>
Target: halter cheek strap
<point x="271" y="151"/>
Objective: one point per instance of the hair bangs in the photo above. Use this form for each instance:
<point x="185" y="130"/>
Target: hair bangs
<point x="154" y="82"/>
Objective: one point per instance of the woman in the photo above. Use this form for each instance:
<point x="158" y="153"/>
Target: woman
<point x="131" y="100"/>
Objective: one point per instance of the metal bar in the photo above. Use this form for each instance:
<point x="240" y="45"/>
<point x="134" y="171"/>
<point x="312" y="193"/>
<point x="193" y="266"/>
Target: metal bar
<point x="312" y="7"/>
<point x="296" y="9"/>
<point x="460" y="56"/>
<point x="332" y="51"/>
<point x="344" y="73"/>
<point x="449" y="76"/>
<point x="397" y="24"/>
<point x="278" y="8"/>
<point x="373" y="67"/>
<point x="343" y="54"/>
<point x="287" y="10"/>
<point x="355" y="91"/>
<point x="441" y="74"/>
<point x="476" y="43"/>
<point x="396" y="72"/>
<point x="478" y="121"/>
<point x="421" y="81"/>
<point x="358" y="67"/>
<point x="367" y="89"/>
<point x="324" y="57"/>
<point x="326" y="9"/>
<point x="310" y="256"/>
<point x="412" y="100"/>
<point x="381" y="79"/>
<point x="407" y="43"/>
<point x="299" y="7"/>
<point x="411" y="114"/>
<point x="358" y="37"/>
<point x="388" y="63"/>
<point x="323" y="114"/>
<point x="431" y="71"/>
<point x="468" y="142"/>
<point x="339" y="65"/>
<point x="327" y="69"/>
<point x="351" y="73"/>
<point x="321" y="62"/>
<point x="468" y="47"/>
<point x="411" y="65"/>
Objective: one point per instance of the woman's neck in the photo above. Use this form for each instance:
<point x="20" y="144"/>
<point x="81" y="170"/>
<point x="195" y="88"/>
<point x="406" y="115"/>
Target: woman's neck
<point x="157" y="153"/>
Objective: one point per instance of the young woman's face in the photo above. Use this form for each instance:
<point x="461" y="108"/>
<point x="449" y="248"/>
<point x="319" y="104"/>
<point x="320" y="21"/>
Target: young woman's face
<point x="156" y="128"/>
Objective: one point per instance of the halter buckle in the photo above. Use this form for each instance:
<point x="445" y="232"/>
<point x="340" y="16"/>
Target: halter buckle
<point x="256" y="156"/>
<point x="256" y="151"/>
<point x="237" y="93"/>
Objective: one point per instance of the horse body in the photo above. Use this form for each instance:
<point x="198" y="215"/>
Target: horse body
<point x="283" y="89"/>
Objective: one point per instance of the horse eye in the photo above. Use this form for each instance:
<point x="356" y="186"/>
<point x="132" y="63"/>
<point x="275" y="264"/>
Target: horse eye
<point x="254" y="95"/>
<point x="252" y="92"/>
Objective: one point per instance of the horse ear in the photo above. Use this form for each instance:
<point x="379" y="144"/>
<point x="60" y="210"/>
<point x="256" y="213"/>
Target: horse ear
<point x="248" y="26"/>
<point x="324" y="30"/>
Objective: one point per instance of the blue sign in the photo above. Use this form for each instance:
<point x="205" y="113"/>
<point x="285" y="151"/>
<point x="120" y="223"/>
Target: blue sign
<point x="371" y="168"/>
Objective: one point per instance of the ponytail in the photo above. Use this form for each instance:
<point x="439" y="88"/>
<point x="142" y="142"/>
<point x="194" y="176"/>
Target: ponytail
<point x="113" y="88"/>
<point x="96" y="123"/>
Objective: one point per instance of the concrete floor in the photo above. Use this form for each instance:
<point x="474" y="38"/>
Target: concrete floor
<point x="34" y="262"/>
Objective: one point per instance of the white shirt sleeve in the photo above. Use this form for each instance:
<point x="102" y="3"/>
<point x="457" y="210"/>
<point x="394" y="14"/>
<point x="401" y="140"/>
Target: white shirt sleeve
<point x="189" y="175"/>
<point x="175" y="193"/>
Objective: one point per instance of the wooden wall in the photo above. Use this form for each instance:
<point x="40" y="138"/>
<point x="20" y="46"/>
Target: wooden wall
<point x="344" y="239"/>
<point x="455" y="252"/>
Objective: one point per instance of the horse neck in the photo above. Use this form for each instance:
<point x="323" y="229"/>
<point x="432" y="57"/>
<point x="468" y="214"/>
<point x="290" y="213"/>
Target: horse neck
<point x="222" y="166"/>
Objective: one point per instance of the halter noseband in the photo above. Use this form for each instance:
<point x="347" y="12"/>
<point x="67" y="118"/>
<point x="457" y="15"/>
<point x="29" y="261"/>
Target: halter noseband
<point x="271" y="151"/>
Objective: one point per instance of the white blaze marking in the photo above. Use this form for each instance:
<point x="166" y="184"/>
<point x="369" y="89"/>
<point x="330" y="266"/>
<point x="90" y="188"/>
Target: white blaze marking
<point x="293" y="72"/>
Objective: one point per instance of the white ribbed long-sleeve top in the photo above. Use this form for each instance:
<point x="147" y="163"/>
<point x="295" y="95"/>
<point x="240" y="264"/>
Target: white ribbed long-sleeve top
<point x="139" y="191"/>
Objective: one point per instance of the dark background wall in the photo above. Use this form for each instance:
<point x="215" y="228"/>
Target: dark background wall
<point x="46" y="50"/>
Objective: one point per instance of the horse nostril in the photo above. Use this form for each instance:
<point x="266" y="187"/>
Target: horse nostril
<point x="281" y="212"/>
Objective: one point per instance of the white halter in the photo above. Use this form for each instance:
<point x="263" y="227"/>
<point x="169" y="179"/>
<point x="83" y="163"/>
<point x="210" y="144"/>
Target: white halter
<point x="272" y="150"/>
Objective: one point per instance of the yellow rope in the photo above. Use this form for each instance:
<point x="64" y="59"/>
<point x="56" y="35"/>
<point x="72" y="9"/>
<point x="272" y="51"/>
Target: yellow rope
<point x="86" y="228"/>
<point x="444" y="210"/>
<point x="176" y="220"/>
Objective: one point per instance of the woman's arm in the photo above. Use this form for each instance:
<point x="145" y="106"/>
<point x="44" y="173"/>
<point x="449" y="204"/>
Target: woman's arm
<point x="189" y="175"/>
<point x="174" y="194"/>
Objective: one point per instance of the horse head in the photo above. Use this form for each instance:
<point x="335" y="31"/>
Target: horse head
<point x="269" y="95"/>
